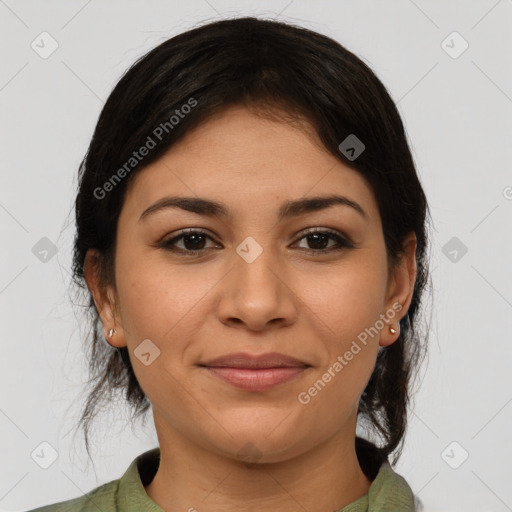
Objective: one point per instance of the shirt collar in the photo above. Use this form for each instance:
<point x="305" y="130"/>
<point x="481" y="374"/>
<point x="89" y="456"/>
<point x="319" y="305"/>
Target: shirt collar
<point x="132" y="496"/>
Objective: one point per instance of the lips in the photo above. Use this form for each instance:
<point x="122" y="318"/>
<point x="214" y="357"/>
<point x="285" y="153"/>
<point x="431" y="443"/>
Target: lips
<point x="249" y="361"/>
<point x="255" y="373"/>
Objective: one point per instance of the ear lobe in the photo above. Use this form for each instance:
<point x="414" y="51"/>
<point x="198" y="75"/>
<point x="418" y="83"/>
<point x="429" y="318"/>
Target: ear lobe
<point x="400" y="290"/>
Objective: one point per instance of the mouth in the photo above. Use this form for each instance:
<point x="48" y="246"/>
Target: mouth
<point x="248" y="360"/>
<point x="255" y="372"/>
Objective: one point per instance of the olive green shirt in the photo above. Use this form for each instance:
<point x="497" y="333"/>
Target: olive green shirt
<point x="389" y="492"/>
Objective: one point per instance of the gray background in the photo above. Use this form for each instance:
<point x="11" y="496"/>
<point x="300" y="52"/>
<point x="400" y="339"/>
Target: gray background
<point x="457" y="111"/>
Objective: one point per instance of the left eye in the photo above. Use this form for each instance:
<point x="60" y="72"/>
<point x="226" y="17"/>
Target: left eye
<point x="318" y="237"/>
<point x="194" y="242"/>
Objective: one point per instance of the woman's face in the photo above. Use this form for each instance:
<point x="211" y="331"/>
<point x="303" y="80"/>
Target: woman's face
<point x="256" y="284"/>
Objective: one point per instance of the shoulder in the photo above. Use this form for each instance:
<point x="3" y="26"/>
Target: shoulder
<point x="102" y="498"/>
<point x="389" y="490"/>
<point x="392" y="490"/>
<point x="116" y="495"/>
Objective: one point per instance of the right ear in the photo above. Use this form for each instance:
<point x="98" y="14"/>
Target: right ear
<point x="103" y="296"/>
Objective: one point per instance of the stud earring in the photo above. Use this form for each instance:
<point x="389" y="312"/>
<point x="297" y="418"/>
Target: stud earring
<point x="392" y="330"/>
<point x="111" y="333"/>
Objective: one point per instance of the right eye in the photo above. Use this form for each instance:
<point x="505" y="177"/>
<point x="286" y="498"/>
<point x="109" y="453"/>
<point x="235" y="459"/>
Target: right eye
<point x="193" y="242"/>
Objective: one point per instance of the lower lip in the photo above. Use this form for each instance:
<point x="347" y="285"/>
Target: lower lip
<point x="259" y="379"/>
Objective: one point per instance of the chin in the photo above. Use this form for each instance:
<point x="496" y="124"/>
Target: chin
<point x="258" y="446"/>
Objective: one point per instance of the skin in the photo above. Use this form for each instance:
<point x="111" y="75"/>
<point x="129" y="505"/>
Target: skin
<point x="195" y="308"/>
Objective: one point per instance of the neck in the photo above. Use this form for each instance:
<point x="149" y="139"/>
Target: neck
<point x="324" y="479"/>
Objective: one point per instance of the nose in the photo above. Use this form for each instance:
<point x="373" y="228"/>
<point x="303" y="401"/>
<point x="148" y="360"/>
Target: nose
<point x="257" y="295"/>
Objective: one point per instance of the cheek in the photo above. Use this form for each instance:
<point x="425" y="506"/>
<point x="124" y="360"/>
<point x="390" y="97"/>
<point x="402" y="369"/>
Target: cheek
<point x="346" y="300"/>
<point x="164" y="304"/>
<point x="344" y="308"/>
<point x="159" y="299"/>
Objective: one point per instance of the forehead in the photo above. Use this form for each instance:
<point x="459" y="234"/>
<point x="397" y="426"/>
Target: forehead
<point x="247" y="161"/>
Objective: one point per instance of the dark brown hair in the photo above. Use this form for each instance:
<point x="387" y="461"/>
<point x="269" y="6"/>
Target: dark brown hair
<point x="282" y="68"/>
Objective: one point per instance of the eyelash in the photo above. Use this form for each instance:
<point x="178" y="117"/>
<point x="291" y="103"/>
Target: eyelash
<point x="343" y="242"/>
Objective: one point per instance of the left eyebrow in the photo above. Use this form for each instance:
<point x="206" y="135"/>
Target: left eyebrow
<point x="313" y="204"/>
<point x="211" y="208"/>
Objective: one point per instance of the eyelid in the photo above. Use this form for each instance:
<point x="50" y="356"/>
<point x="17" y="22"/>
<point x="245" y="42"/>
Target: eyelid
<point x="186" y="231"/>
<point x="343" y="242"/>
<point x="307" y="231"/>
<point x="330" y="231"/>
<point x="167" y="238"/>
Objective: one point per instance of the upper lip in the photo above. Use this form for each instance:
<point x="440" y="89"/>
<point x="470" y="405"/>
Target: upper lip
<point x="245" y="360"/>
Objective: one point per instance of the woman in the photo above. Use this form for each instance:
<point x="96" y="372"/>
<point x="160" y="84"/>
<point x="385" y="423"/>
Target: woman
<point x="253" y="236"/>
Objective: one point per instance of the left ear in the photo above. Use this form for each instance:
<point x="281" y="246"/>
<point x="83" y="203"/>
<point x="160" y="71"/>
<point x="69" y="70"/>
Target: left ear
<point x="400" y="289"/>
